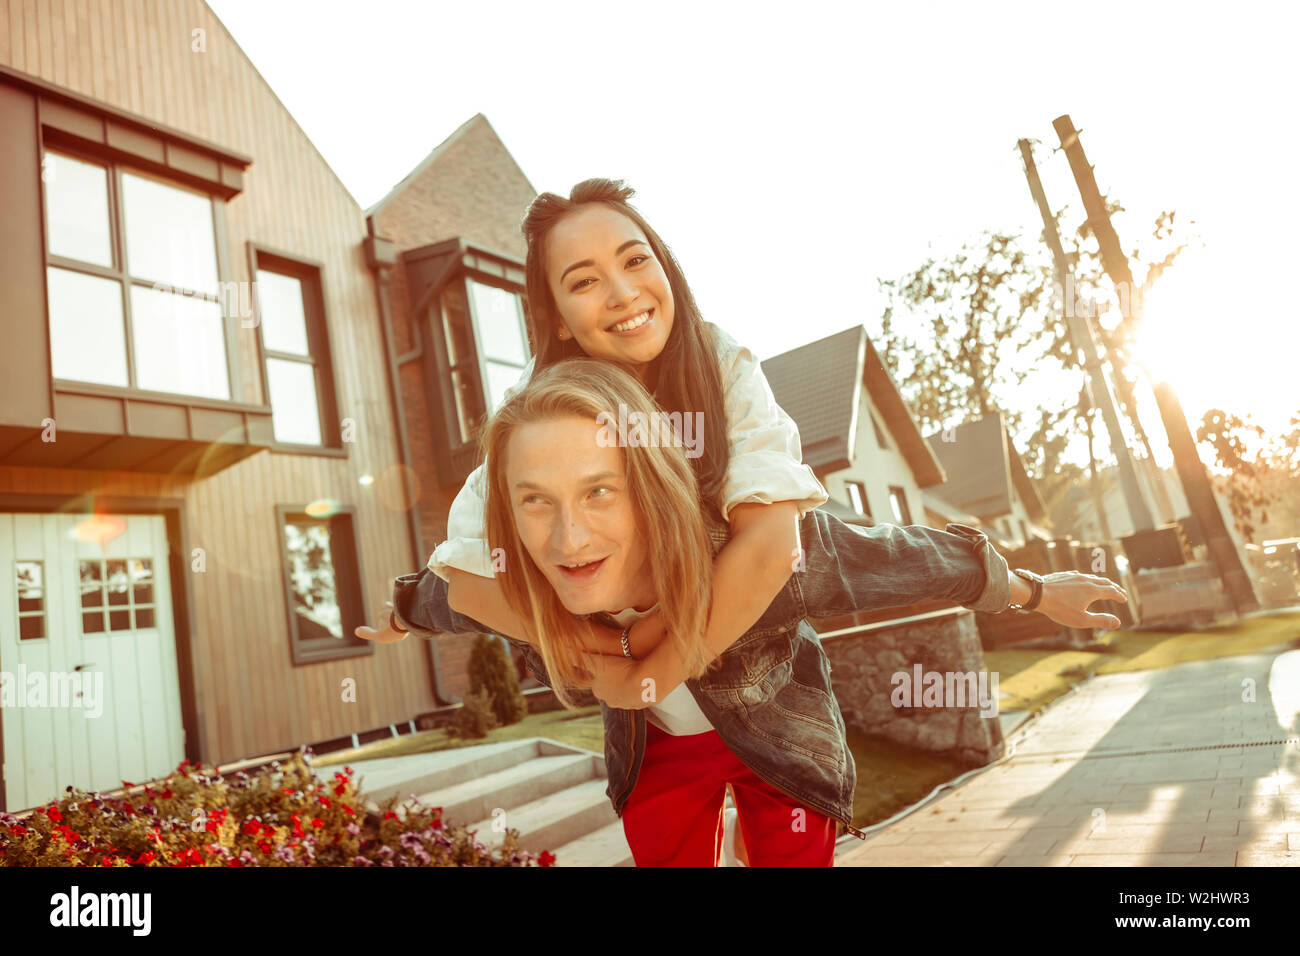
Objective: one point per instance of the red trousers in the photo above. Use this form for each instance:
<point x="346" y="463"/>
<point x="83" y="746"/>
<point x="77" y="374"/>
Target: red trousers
<point x="674" y="815"/>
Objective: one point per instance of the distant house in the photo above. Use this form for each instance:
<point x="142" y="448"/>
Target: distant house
<point x="857" y="434"/>
<point x="1077" y="510"/>
<point x="987" y="478"/>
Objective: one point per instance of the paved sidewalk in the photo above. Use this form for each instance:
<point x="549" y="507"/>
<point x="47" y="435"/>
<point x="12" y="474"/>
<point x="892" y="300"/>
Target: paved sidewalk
<point x="1175" y="767"/>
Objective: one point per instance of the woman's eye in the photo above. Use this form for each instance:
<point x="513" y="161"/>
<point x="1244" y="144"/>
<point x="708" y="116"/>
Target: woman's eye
<point x="579" y="284"/>
<point x="637" y="260"/>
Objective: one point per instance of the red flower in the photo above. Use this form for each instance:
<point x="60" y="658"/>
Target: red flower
<point x="287" y="790"/>
<point x="390" y="815"/>
<point x="325" y="801"/>
<point x="264" y="846"/>
<point x="317" y="822"/>
<point x="252" y="828"/>
<point x="348" y="810"/>
<point x="54" y="814"/>
<point x="546" y="859"/>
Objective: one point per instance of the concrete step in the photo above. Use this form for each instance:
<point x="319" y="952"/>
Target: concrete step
<point x="552" y="820"/>
<point x="512" y="787"/>
<point x="402" y="776"/>
<point x="604" y="847"/>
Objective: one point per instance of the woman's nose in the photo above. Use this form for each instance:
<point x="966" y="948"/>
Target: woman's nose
<point x="621" y="292"/>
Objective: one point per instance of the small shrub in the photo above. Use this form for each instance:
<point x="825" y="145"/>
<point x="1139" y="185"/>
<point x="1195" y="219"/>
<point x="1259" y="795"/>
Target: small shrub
<point x="490" y="669"/>
<point x="280" y="816"/>
<point x="475" y="717"/>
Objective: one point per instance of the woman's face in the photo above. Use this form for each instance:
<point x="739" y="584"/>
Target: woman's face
<point x="612" y="293"/>
<point x="571" y="504"/>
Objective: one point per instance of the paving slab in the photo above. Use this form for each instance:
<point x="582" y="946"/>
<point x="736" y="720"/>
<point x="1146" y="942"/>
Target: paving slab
<point x="1197" y="764"/>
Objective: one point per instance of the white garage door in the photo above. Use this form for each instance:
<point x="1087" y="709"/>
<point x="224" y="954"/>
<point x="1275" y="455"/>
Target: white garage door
<point x="89" y="691"/>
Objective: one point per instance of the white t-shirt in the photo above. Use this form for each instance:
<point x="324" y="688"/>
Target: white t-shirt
<point x="678" y="713"/>
<point x="765" y="466"/>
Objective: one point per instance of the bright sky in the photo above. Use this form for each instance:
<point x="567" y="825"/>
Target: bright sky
<point x="792" y="154"/>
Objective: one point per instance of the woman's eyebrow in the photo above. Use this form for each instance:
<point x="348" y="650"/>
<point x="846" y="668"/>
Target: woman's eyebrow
<point x="588" y="262"/>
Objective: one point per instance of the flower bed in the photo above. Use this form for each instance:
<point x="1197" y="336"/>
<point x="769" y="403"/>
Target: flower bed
<point x="281" y="815"/>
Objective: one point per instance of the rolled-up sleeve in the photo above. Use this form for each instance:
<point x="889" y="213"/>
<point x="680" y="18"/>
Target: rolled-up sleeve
<point x="850" y="568"/>
<point x="420" y="606"/>
<point x="766" y="463"/>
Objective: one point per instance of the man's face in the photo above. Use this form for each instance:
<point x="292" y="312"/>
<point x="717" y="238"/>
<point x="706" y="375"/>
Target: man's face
<point x="575" y="516"/>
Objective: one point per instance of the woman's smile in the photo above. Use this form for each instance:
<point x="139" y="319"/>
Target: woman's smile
<point x="633" y="325"/>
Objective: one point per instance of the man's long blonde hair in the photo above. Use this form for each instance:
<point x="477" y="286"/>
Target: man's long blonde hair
<point x="664" y="495"/>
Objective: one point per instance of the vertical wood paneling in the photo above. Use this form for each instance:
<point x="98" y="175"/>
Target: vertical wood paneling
<point x="136" y="56"/>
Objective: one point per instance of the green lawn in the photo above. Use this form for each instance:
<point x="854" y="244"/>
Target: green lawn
<point x="891" y="776"/>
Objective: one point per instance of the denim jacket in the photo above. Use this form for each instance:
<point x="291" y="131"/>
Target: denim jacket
<point x="770" y="699"/>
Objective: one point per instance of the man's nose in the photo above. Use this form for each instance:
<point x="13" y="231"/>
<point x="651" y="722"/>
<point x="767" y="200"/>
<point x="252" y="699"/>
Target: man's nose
<point x="570" y="532"/>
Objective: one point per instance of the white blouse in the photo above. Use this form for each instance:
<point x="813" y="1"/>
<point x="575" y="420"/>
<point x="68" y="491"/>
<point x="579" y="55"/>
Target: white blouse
<point x="766" y="463"/>
<point x="678" y="713"/>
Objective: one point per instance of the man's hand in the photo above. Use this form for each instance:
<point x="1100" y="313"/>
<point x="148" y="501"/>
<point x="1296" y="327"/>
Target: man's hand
<point x="385" y="633"/>
<point x="1068" y="594"/>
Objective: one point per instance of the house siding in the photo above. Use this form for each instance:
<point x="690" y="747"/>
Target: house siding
<point x="878" y="468"/>
<point x="250" y="698"/>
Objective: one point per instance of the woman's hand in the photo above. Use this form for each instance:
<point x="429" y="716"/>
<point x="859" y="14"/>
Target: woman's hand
<point x="615" y="681"/>
<point x="1068" y="594"/>
<point x="386" y="633"/>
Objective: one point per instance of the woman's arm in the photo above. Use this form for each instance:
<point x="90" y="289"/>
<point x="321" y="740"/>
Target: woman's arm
<point x="748" y="573"/>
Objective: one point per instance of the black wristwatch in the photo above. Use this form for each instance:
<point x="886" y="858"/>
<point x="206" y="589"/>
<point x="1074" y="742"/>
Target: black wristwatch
<point x="1037" y="596"/>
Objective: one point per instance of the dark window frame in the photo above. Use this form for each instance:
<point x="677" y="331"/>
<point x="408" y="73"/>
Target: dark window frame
<point x="462" y="453"/>
<point x="896" y="492"/>
<point x="349" y="576"/>
<point x="53" y="140"/>
<point x="862" y="491"/>
<point x="311" y="274"/>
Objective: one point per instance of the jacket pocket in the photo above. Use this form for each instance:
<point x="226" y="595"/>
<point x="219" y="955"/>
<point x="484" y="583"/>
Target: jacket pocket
<point x="750" y="672"/>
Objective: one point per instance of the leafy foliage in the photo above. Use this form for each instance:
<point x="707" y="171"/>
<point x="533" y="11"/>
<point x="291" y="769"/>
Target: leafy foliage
<point x="279" y="816"/>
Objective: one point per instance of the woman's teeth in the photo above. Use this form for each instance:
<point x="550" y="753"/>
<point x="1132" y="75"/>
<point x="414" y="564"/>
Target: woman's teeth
<point x="634" y="323"/>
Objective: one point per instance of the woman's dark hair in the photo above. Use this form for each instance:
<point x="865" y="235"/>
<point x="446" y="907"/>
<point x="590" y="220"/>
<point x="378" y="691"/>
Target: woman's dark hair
<point x="685" y="376"/>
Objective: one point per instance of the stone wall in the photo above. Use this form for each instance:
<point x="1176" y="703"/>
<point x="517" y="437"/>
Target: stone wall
<point x="864" y="662"/>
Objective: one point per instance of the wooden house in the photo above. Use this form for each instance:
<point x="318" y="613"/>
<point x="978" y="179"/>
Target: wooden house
<point x="208" y="475"/>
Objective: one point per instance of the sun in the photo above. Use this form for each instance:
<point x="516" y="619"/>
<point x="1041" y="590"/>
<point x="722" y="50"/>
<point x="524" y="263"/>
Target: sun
<point x="1209" y="344"/>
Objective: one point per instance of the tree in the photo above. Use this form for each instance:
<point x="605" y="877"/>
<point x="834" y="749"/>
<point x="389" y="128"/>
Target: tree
<point x="1263" y="489"/>
<point x="490" y="671"/>
<point x="972" y="305"/>
<point x="954" y="322"/>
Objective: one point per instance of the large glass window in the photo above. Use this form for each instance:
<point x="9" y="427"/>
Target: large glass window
<point x="500" y="318"/>
<point x="293" y="344"/>
<point x="133" y="281"/>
